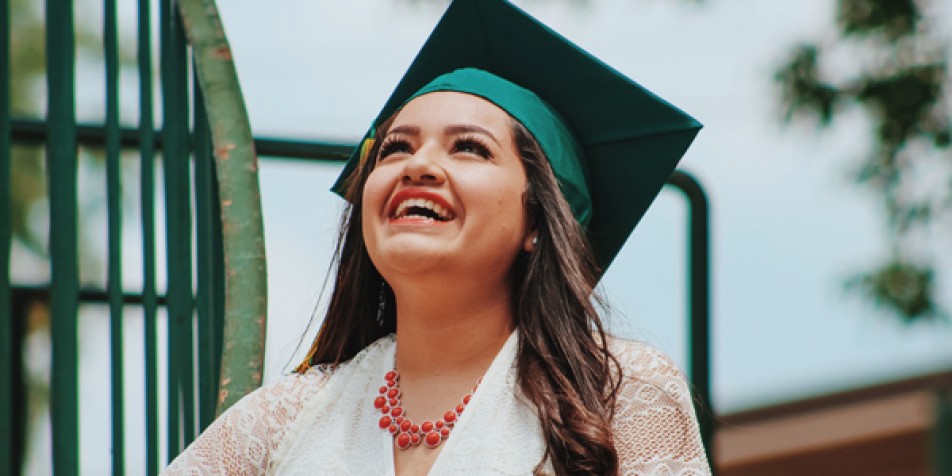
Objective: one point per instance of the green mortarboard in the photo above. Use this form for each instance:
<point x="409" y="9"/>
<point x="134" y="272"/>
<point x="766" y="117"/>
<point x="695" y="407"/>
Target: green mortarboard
<point x="630" y="139"/>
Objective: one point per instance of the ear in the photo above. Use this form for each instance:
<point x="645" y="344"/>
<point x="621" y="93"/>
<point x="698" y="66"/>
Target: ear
<point x="530" y="242"/>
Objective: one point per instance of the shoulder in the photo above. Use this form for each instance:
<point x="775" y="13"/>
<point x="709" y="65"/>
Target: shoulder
<point x="289" y="391"/>
<point x="654" y="424"/>
<point x="244" y="438"/>
<point x="649" y="370"/>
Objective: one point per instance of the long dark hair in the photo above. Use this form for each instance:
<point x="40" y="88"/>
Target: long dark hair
<point x="563" y="363"/>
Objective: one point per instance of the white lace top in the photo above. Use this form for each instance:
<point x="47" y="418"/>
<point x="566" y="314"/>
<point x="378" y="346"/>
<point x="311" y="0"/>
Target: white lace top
<point x="324" y="422"/>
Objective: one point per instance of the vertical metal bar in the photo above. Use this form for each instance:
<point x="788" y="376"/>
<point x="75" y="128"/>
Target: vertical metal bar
<point x="178" y="229"/>
<point x="205" y="302"/>
<point x="699" y="322"/>
<point x="114" y="214"/>
<point x="62" y="176"/>
<point x="173" y="398"/>
<point x="942" y="433"/>
<point x="7" y="357"/>
<point x="218" y="282"/>
<point x="147" y="191"/>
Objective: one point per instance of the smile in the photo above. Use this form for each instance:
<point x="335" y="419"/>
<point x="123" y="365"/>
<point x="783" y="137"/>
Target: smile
<point x="410" y="205"/>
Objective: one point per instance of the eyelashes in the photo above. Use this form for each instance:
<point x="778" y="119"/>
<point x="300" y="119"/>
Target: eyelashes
<point x="394" y="145"/>
<point x="472" y="145"/>
<point x="464" y="144"/>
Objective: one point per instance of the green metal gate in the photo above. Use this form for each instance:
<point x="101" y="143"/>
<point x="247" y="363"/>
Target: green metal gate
<point x="192" y="310"/>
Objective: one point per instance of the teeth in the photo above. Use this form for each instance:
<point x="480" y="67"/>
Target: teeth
<point x="401" y="210"/>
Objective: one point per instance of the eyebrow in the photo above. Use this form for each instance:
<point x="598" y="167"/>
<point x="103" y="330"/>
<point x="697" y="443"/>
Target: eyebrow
<point x="449" y="130"/>
<point x="468" y="128"/>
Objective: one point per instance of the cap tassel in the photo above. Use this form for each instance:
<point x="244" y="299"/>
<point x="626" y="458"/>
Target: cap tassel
<point x="365" y="147"/>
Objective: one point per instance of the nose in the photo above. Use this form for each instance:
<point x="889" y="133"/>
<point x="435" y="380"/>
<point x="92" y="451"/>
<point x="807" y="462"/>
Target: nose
<point x="423" y="168"/>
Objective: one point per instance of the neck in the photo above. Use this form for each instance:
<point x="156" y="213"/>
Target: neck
<point x="450" y="330"/>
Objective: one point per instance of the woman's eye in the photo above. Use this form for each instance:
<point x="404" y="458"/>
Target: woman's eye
<point x="394" y="146"/>
<point x="472" y="146"/>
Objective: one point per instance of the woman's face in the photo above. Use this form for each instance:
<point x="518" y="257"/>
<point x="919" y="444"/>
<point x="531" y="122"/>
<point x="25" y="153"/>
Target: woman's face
<point x="447" y="192"/>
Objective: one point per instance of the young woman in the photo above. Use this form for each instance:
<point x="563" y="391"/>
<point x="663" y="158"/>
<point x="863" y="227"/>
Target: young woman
<point x="462" y="334"/>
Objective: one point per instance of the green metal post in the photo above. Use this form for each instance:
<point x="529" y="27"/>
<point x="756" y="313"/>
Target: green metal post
<point x="7" y="357"/>
<point x="242" y="228"/>
<point x="942" y="433"/>
<point x="205" y="222"/>
<point x="699" y="323"/>
<point x="62" y="174"/>
<point x="147" y="197"/>
<point x="175" y="155"/>
<point x="114" y="213"/>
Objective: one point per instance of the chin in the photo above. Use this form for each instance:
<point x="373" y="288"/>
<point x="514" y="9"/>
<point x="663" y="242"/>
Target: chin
<point x="404" y="258"/>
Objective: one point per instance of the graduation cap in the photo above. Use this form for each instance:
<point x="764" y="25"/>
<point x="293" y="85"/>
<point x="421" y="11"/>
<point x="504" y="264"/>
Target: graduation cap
<point x="612" y="143"/>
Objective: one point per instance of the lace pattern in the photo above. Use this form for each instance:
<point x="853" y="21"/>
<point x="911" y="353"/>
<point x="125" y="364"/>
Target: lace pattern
<point x="244" y="438"/>
<point x="323" y="422"/>
<point x="655" y="429"/>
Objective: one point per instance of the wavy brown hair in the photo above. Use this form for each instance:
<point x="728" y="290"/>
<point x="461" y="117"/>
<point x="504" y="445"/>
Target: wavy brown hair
<point x="564" y="367"/>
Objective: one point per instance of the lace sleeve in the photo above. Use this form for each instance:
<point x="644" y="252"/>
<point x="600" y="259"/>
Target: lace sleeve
<point x="242" y="440"/>
<point x="656" y="431"/>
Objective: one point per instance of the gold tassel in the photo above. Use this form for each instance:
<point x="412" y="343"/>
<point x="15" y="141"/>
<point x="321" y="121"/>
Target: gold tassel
<point x="365" y="148"/>
<point x="304" y="366"/>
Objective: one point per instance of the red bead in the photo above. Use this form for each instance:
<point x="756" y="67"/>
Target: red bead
<point x="433" y="439"/>
<point x="404" y="431"/>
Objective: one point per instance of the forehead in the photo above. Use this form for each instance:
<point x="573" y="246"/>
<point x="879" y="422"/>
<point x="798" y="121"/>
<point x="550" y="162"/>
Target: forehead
<point x="450" y="108"/>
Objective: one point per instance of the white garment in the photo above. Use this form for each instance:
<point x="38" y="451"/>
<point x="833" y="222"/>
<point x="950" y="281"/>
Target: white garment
<point x="324" y="422"/>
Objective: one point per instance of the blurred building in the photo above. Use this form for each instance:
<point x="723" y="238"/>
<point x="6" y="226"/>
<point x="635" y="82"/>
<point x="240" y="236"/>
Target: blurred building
<point x="902" y="428"/>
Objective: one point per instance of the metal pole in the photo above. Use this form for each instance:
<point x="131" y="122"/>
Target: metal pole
<point x="8" y="359"/>
<point x="147" y="197"/>
<point x="177" y="175"/>
<point x="114" y="214"/>
<point x="62" y="176"/>
<point x="699" y="249"/>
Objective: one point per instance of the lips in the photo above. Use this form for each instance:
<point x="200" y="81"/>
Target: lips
<point x="414" y="205"/>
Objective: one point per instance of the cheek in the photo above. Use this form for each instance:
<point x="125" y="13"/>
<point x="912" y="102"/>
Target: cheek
<point x="373" y="198"/>
<point x="374" y="193"/>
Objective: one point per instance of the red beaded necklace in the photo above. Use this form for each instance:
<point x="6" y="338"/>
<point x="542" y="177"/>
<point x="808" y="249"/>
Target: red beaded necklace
<point x="405" y="432"/>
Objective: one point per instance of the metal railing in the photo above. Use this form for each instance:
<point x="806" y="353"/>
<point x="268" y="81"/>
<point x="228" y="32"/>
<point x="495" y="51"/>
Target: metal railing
<point x="193" y="311"/>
